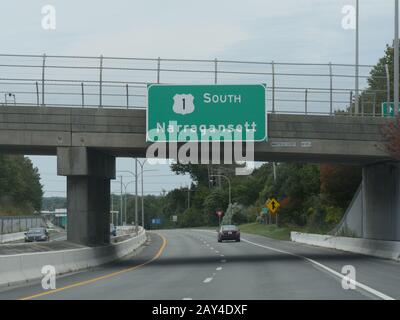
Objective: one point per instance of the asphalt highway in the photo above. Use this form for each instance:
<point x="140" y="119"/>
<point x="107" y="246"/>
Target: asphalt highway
<point x="192" y="265"/>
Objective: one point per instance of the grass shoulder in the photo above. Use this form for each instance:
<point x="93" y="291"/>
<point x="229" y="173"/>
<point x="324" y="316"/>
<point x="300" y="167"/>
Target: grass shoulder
<point x="275" y="232"/>
<point x="270" y="230"/>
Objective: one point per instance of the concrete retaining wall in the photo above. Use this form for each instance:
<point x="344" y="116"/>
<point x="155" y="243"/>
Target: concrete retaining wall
<point x="9" y="237"/>
<point x="376" y="248"/>
<point x="19" y="268"/>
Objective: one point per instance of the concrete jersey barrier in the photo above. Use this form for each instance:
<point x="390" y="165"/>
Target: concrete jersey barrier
<point x="377" y="248"/>
<point x="20" y="268"/>
<point x="10" y="237"/>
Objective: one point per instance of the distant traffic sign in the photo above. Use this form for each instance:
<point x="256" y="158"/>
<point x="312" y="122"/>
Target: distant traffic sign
<point x="273" y="205"/>
<point x="206" y="112"/>
<point x="265" y="210"/>
<point x="388" y="112"/>
<point x="156" y="221"/>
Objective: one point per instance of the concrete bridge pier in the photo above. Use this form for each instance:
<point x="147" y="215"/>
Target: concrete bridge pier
<point x="88" y="175"/>
<point x="375" y="210"/>
<point x="381" y="201"/>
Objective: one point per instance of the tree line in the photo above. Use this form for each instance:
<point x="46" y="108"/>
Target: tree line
<point x="20" y="189"/>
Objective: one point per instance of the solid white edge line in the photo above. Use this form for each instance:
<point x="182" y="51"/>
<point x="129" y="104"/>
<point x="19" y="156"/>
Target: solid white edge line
<point x="335" y="273"/>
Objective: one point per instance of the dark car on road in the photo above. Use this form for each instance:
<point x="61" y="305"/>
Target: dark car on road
<point x="229" y="232"/>
<point x="37" y="234"/>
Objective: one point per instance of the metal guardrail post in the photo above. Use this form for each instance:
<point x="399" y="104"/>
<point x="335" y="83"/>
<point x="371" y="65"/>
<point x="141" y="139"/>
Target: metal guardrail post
<point x="306" y="102"/>
<point x="351" y="101"/>
<point x="158" y="69"/>
<point x="101" y="81"/>
<point x="387" y="86"/>
<point x="215" y="71"/>
<point x="330" y="89"/>
<point x="273" y="86"/>
<point x="82" y="95"/>
<point x="127" y="96"/>
<point x="43" y="76"/>
<point x="362" y="105"/>
<point x="374" y="106"/>
<point x="37" y="94"/>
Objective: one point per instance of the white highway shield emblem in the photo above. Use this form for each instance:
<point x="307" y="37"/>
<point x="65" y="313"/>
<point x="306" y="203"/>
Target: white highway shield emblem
<point x="183" y="103"/>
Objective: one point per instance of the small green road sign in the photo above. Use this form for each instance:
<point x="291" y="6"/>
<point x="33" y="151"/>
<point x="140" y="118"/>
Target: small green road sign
<point x="265" y="210"/>
<point x="388" y="112"/>
<point x="184" y="113"/>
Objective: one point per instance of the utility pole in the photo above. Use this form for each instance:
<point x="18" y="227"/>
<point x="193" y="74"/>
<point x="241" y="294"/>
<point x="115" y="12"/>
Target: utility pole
<point x="357" y="105"/>
<point x="121" y="203"/>
<point x="387" y="86"/>
<point x="136" y="197"/>
<point x="135" y="176"/>
<point x="112" y="207"/>
<point x="125" y="206"/>
<point x="188" y="197"/>
<point x="142" y="200"/>
<point x="396" y="58"/>
<point x="229" y="185"/>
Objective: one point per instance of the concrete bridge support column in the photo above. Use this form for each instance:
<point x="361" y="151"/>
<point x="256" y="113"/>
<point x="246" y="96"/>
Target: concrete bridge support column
<point x="374" y="212"/>
<point x="88" y="175"/>
<point x="381" y="201"/>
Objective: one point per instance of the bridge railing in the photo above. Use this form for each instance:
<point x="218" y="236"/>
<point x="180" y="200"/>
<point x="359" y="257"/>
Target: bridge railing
<point x="112" y="82"/>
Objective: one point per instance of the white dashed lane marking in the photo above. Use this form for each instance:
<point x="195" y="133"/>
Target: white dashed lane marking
<point x="208" y="280"/>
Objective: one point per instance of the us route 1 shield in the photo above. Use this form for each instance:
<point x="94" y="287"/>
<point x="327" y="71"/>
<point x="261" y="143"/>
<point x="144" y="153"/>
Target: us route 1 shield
<point x="181" y="113"/>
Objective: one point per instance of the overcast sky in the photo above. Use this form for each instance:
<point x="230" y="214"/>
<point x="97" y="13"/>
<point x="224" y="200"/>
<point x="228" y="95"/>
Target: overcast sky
<point x="286" y="30"/>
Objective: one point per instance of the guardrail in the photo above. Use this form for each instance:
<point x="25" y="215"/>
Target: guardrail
<point x="83" y="81"/>
<point x="21" y="268"/>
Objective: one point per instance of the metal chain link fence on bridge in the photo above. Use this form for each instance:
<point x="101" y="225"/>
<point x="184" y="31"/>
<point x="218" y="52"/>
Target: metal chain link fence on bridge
<point x="111" y="82"/>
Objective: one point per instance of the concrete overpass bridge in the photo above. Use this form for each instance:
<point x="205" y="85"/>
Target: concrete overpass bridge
<point x="47" y="111"/>
<point x="86" y="142"/>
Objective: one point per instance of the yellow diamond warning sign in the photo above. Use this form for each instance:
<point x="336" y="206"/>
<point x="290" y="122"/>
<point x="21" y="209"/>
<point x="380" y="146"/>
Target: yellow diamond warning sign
<point x="273" y="205"/>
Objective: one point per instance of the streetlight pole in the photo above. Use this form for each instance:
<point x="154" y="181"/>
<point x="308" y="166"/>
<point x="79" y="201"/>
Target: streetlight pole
<point x="188" y="197"/>
<point x="112" y="208"/>
<point x="121" y="202"/>
<point x="357" y="105"/>
<point x="141" y="174"/>
<point x="396" y="58"/>
<point x="135" y="179"/>
<point x="229" y="184"/>
<point x="136" y="197"/>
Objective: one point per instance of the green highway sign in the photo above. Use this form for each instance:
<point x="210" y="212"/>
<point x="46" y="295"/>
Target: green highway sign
<point x="206" y="113"/>
<point x="265" y="210"/>
<point x="390" y="112"/>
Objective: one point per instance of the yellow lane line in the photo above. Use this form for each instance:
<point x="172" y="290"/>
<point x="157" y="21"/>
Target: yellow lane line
<point x="82" y="283"/>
